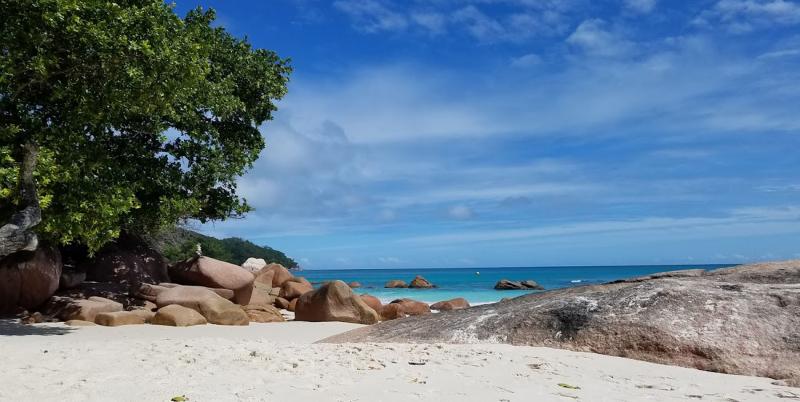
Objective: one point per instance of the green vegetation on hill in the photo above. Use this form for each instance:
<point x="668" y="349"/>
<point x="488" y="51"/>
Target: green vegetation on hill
<point x="181" y="244"/>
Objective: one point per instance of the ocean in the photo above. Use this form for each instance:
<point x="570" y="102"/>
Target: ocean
<point x="477" y="284"/>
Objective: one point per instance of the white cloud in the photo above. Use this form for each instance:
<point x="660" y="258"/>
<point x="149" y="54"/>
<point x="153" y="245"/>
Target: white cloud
<point x="593" y="38"/>
<point x="641" y="6"/>
<point x="372" y="15"/>
<point x="460" y="212"/>
<point x="526" y="61"/>
<point x="742" y="16"/>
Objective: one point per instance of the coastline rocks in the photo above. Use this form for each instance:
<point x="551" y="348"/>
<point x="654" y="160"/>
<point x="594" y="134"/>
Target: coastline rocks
<point x="128" y="260"/>
<point x="254" y="264"/>
<point x="505" y="284"/>
<point x="403" y="308"/>
<point x="292" y="305"/>
<point x="334" y="301"/>
<point x="396" y="283"/>
<point x="215" y="308"/>
<point x="205" y="271"/>
<point x="29" y="278"/>
<point x="263" y="313"/>
<point x="372" y="301"/>
<point x="354" y="285"/>
<point x="743" y="320"/>
<point x="452" y="304"/>
<point x="276" y="274"/>
<point x="175" y="315"/>
<point x="88" y="309"/>
<point x="420" y="283"/>
<point x="294" y="288"/>
<point x="119" y="318"/>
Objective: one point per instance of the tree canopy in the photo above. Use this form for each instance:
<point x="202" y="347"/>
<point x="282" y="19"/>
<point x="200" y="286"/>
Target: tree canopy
<point x="135" y="118"/>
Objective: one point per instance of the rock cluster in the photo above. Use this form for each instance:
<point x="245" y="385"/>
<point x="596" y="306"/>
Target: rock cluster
<point x="417" y="283"/>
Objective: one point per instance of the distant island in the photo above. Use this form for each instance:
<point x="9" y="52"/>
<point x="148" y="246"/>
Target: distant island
<point x="179" y="244"/>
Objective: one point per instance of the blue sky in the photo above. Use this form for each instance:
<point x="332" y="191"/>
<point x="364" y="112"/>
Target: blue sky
<point x="458" y="133"/>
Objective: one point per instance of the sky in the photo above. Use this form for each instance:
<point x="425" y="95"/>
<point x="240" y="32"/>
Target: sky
<point x="478" y="133"/>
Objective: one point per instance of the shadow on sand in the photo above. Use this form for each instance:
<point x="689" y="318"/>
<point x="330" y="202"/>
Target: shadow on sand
<point x="12" y="327"/>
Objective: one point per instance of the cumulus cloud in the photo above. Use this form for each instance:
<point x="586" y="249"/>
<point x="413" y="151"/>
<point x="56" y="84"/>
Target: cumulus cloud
<point x="593" y="37"/>
<point x="526" y="61"/>
<point x="746" y="15"/>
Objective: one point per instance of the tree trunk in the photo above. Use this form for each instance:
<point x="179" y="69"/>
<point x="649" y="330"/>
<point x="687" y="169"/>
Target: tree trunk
<point x="17" y="235"/>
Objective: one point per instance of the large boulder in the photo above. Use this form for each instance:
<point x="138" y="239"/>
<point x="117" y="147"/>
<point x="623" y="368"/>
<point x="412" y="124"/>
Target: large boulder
<point x="403" y="308"/>
<point x="396" y="283"/>
<point x="294" y="288"/>
<point x="176" y="315"/>
<point x="254" y="264"/>
<point x="88" y="309"/>
<point x="215" y="308"/>
<point x="334" y="301"/>
<point x="372" y="301"/>
<point x="276" y="273"/>
<point x="743" y="320"/>
<point x="213" y="273"/>
<point x="263" y="313"/>
<point x="452" y="304"/>
<point x="420" y="283"/>
<point x="128" y="260"/>
<point x="120" y="318"/>
<point x="29" y="278"/>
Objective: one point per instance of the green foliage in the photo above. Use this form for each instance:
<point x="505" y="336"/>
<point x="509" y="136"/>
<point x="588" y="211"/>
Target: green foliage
<point x="233" y="249"/>
<point x="142" y="118"/>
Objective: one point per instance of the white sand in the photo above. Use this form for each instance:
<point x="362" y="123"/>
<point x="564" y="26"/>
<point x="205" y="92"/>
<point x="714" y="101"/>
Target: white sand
<point x="276" y="362"/>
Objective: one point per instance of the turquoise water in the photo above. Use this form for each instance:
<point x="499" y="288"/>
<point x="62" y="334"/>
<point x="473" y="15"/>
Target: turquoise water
<point x="479" y="288"/>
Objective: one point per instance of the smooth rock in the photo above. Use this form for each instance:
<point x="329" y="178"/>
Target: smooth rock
<point x="452" y="304"/>
<point x="279" y="274"/>
<point x="175" y="315"/>
<point x="119" y="318"/>
<point x="209" y="272"/>
<point x="505" y="284"/>
<point x="215" y="308"/>
<point x="261" y="294"/>
<point x="292" y="304"/>
<point x="29" y="278"/>
<point x="420" y="283"/>
<point x="282" y="303"/>
<point x="254" y="264"/>
<point x="263" y="313"/>
<point x="334" y="301"/>
<point x="295" y="287"/>
<point x="372" y="301"/>
<point x="403" y="308"/>
<point x="354" y="285"/>
<point x="88" y="309"/>
<point x="396" y="283"/>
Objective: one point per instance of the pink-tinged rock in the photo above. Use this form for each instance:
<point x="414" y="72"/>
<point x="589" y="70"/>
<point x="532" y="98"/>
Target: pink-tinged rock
<point x="295" y="287"/>
<point x="334" y="301"/>
<point x="176" y="315"/>
<point x="88" y="309"/>
<point x="372" y="301"/>
<point x="279" y="274"/>
<point x="215" y="309"/>
<point x="209" y="272"/>
<point x="453" y="304"/>
<point x="119" y="318"/>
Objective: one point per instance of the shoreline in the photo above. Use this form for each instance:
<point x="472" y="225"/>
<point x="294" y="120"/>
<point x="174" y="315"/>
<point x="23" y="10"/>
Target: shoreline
<point x="278" y="361"/>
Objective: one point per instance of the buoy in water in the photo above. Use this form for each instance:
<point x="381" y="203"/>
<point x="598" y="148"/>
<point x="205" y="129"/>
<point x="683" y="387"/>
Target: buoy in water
<point x="477" y="273"/>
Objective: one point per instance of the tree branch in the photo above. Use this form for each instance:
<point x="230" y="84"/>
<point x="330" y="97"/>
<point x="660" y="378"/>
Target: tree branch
<point x="17" y="235"/>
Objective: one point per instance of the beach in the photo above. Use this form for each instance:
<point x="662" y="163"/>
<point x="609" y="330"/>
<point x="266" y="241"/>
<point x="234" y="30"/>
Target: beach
<point x="279" y="361"/>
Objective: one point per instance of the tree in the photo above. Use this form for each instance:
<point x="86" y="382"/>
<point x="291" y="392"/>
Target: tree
<point x="123" y="116"/>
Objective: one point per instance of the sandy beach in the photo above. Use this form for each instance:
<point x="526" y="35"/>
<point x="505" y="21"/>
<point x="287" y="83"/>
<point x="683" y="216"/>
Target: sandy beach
<point x="279" y="361"/>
